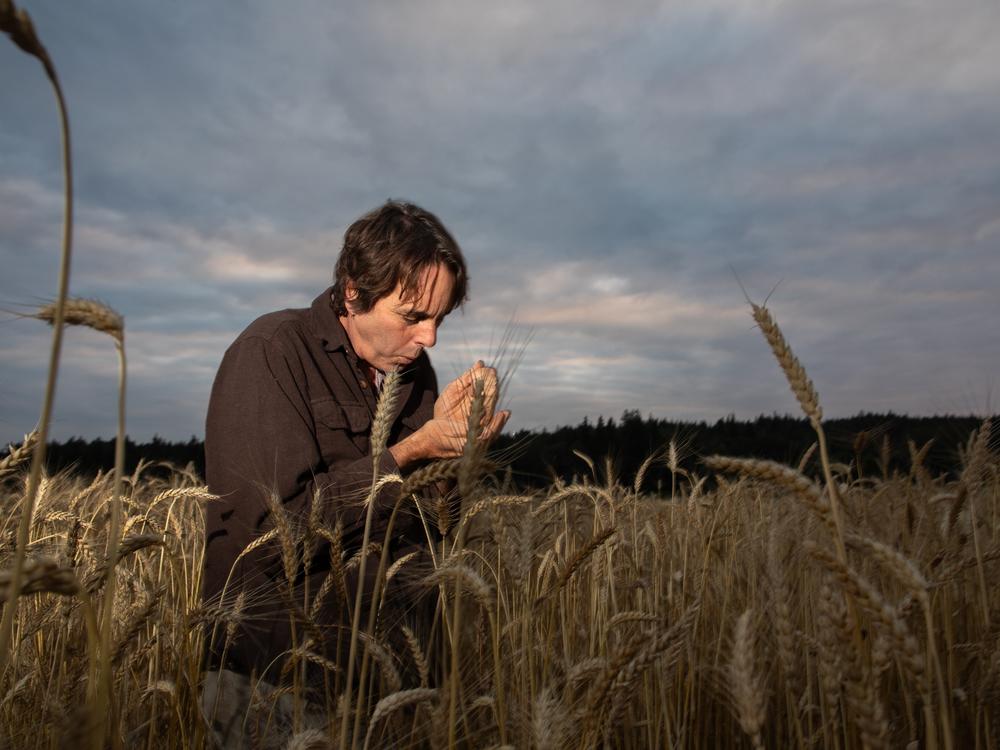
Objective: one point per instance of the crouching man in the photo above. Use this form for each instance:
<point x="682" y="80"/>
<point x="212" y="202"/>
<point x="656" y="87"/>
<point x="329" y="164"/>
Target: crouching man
<point x="288" y="448"/>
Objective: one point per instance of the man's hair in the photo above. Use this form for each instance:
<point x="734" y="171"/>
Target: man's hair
<point x="393" y="245"/>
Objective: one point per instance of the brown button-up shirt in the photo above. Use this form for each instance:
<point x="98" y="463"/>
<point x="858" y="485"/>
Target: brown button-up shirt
<point x="290" y="414"/>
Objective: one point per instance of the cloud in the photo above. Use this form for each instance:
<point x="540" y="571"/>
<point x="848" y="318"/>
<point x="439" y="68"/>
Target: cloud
<point x="602" y="165"/>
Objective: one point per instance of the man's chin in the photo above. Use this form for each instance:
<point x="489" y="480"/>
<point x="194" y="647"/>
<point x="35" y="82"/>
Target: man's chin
<point x="396" y="363"/>
<point x="403" y="361"/>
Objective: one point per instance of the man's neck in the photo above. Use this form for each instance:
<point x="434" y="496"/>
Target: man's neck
<point x="373" y="374"/>
<point x="348" y="326"/>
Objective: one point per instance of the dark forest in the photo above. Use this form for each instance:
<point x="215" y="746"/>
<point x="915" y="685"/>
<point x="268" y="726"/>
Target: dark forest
<point x="536" y="458"/>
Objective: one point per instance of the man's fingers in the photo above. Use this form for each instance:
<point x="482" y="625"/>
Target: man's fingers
<point x="464" y="380"/>
<point x="457" y="387"/>
<point x="496" y="425"/>
<point x="448" y="436"/>
<point x="489" y="410"/>
<point x="491" y="394"/>
<point x="475" y="373"/>
<point x="462" y="390"/>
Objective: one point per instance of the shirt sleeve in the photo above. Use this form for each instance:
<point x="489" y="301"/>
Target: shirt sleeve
<point x="260" y="439"/>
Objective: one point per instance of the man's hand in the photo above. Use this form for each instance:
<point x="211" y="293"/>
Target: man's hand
<point x="445" y="435"/>
<point x="455" y="402"/>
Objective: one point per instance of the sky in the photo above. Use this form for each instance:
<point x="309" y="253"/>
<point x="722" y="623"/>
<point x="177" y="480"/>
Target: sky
<point x="613" y="172"/>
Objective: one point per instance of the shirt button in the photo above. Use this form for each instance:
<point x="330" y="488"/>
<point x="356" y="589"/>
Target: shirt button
<point x="363" y="384"/>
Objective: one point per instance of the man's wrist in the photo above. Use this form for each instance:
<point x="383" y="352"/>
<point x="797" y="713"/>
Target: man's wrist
<point x="405" y="452"/>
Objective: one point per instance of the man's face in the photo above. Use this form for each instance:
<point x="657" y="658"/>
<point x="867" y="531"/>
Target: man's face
<point x="394" y="332"/>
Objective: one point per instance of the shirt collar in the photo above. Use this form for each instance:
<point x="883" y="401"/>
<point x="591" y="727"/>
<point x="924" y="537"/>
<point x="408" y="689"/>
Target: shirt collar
<point x="327" y="327"/>
<point x="326" y="324"/>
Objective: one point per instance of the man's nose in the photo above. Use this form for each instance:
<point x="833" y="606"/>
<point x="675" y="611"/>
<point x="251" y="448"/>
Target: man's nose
<point x="426" y="333"/>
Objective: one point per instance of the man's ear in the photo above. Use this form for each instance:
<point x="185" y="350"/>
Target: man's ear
<point x="350" y="295"/>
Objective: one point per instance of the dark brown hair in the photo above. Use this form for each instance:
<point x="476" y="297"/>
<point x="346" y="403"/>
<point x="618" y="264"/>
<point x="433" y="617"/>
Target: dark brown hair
<point x="393" y="245"/>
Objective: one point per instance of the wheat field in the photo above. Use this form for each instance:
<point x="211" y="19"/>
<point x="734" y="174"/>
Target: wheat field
<point x="587" y="615"/>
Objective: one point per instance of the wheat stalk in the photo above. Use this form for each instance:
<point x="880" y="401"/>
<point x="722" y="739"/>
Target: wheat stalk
<point x="384" y="413"/>
<point x="830" y="613"/>
<point x="418" y="655"/>
<point x="39" y="575"/>
<point x="286" y="537"/>
<point x="861" y="692"/>
<point x="781" y="610"/>
<point x="395" y="702"/>
<point x="456" y="571"/>
<point x="667" y="644"/>
<point x="495" y="501"/>
<point x="977" y="454"/>
<point x="433" y="473"/>
<point x="338" y="571"/>
<point x="808" y="400"/>
<point x="585" y="669"/>
<point x="771" y="471"/>
<point x="182" y="493"/>
<point x="18" y="25"/>
<point x="17" y="455"/>
<point x="309" y="739"/>
<point x="90" y="313"/>
<point x="136" y="623"/>
<point x="550" y="723"/>
<point x="629" y="616"/>
<point x="801" y="385"/>
<point x="574" y="563"/>
<point x="745" y="680"/>
<point x="861" y="590"/>
<point x="904" y="569"/>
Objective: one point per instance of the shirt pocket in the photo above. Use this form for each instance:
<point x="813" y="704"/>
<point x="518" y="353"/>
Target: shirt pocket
<point x="342" y="429"/>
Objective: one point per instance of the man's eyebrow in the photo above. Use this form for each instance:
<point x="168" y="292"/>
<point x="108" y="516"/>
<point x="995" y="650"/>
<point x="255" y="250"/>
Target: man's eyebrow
<point x="412" y="312"/>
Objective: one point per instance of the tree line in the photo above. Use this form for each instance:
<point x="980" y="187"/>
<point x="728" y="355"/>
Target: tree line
<point x="877" y="443"/>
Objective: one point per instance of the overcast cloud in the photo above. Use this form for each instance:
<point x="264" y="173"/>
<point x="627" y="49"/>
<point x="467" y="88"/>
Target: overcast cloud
<point x="603" y="165"/>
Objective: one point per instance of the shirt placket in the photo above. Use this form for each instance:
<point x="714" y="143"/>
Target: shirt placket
<point x="361" y="377"/>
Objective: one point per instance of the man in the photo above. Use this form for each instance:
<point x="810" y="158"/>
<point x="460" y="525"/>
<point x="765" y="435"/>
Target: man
<point x="291" y="415"/>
